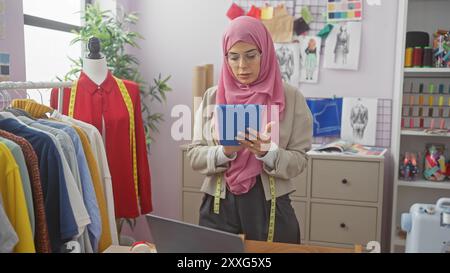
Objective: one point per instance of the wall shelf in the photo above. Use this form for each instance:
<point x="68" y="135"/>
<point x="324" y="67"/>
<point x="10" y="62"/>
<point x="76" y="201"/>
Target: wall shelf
<point x="426" y="72"/>
<point x="425" y="184"/>
<point x="423" y="133"/>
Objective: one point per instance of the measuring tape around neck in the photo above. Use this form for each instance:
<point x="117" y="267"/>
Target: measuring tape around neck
<point x="132" y="132"/>
<point x="273" y="203"/>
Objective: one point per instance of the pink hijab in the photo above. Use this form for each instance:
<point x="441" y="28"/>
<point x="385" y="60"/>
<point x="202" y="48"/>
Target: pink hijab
<point x="266" y="90"/>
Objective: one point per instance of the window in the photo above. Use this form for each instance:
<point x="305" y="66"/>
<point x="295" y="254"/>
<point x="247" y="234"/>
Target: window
<point x="47" y="40"/>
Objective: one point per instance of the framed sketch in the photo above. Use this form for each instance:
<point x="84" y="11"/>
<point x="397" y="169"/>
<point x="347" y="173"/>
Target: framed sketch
<point x="359" y="120"/>
<point x="343" y="46"/>
<point x="288" y="55"/>
<point x="310" y="58"/>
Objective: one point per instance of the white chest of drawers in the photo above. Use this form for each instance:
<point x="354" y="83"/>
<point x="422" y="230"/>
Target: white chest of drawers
<point x="338" y="201"/>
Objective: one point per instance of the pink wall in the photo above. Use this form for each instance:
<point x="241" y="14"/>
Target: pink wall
<point x="14" y="43"/>
<point x="180" y="34"/>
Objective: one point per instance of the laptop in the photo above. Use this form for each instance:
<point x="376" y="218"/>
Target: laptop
<point x="172" y="236"/>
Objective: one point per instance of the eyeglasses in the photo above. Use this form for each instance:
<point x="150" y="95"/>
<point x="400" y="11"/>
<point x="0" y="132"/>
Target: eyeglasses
<point x="251" y="57"/>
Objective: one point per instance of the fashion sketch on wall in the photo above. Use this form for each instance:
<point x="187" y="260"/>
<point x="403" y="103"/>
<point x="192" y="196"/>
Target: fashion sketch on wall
<point x="310" y="58"/>
<point x="343" y="46"/>
<point x="289" y="60"/>
<point x="359" y="120"/>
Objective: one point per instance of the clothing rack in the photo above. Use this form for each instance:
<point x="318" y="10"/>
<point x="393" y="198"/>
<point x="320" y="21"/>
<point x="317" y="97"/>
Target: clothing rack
<point x="36" y="85"/>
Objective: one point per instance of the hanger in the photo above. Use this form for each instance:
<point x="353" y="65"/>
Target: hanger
<point x="40" y="94"/>
<point x="6" y="99"/>
<point x="2" y="100"/>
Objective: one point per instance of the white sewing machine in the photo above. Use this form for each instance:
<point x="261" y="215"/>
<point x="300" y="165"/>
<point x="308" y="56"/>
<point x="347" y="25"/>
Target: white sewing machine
<point x="428" y="227"/>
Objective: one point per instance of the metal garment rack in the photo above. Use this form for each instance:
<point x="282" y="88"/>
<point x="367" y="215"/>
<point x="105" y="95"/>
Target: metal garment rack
<point x="35" y="85"/>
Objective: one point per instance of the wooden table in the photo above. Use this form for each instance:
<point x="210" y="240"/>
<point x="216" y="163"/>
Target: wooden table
<point x="263" y="247"/>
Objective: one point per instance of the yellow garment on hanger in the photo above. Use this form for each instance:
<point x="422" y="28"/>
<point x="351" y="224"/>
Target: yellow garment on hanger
<point x="20" y="103"/>
<point x="105" y="238"/>
<point x="14" y="201"/>
<point x="33" y="108"/>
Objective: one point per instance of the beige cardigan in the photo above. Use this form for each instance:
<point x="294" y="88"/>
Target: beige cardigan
<point x="294" y="141"/>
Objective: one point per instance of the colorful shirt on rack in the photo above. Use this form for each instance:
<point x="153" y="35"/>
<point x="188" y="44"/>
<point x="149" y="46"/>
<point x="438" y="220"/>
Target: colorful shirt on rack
<point x="24" y="177"/>
<point x="75" y="188"/>
<point x="41" y="238"/>
<point x="96" y="142"/>
<point x="60" y="219"/>
<point x="104" y="104"/>
<point x="105" y="238"/>
<point x="89" y="193"/>
<point x="8" y="236"/>
<point x="14" y="201"/>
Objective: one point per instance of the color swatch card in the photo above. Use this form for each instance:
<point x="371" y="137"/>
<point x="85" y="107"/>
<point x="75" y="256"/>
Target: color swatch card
<point x="344" y="10"/>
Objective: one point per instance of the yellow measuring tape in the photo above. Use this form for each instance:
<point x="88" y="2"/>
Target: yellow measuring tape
<point x="129" y="104"/>
<point x="217" y="195"/>
<point x="273" y="203"/>
<point x="73" y="95"/>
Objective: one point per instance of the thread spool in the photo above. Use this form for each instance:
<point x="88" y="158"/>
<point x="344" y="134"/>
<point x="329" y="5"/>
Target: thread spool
<point x="411" y="104"/>
<point x="431" y="112"/>
<point x="427" y="57"/>
<point x="418" y="57"/>
<point x="449" y="107"/>
<point x="411" y="100"/>
<point x="409" y="57"/>
<point x="442" y="125"/>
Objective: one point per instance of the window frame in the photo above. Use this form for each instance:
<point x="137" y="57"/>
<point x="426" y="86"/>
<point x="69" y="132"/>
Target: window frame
<point x="36" y="21"/>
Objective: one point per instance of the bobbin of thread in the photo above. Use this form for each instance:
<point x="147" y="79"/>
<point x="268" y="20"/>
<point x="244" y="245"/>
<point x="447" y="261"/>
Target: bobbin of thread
<point x="409" y="57"/>
<point x="427" y="57"/>
<point x="418" y="57"/>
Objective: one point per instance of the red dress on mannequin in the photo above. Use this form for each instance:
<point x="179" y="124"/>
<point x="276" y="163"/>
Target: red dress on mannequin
<point x="94" y="103"/>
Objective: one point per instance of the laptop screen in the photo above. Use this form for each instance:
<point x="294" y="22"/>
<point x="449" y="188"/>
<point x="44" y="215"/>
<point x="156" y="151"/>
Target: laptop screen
<point x="172" y="236"/>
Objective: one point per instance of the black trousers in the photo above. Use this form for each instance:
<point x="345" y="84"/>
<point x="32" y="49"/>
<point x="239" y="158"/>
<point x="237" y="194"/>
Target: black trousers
<point x="249" y="214"/>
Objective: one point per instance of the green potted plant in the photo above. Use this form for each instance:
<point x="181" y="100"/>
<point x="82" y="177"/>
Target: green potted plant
<point x="115" y="36"/>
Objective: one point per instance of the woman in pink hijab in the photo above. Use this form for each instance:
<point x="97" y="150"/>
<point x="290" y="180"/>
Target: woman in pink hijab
<point x="238" y="196"/>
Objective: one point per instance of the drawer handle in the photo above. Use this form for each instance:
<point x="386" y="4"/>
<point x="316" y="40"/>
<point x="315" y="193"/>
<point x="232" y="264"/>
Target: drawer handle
<point x="343" y="225"/>
<point x="344" y="181"/>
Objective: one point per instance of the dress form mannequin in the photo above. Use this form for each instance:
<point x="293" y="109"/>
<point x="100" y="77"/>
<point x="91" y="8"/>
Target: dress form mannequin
<point x="94" y="65"/>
